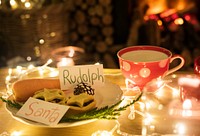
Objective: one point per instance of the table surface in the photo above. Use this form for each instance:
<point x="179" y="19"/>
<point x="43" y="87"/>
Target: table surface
<point x="10" y="126"/>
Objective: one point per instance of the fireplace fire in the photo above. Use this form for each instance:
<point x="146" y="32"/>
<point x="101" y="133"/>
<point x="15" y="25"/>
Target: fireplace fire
<point x="172" y="24"/>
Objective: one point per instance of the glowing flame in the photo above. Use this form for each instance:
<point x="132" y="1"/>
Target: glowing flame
<point x="16" y="133"/>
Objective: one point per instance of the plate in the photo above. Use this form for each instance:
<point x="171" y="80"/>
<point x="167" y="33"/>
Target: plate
<point x="105" y="95"/>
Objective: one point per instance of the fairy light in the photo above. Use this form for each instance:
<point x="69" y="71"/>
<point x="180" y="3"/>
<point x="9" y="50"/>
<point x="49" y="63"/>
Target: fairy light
<point x="65" y="62"/>
<point x="13" y="4"/>
<point x="21" y="72"/>
<point x="9" y="71"/>
<point x="131" y="89"/>
<point x="180" y="128"/>
<point x="41" y="41"/>
<point x="102" y="133"/>
<point x="48" y="62"/>
<point x="71" y="52"/>
<point x="187" y="106"/>
<point x="97" y="63"/>
<point x="41" y="71"/>
<point x="152" y="127"/>
<point x="131" y="115"/>
<point x="52" y="34"/>
<point x="19" y="69"/>
<point x="31" y="66"/>
<point x="16" y="133"/>
<point x="142" y="106"/>
<point x="148" y="119"/>
<point x="192" y="82"/>
<point x="160" y="93"/>
<point x="54" y="73"/>
<point x="107" y="133"/>
<point x="8" y="78"/>
<point x="28" y="58"/>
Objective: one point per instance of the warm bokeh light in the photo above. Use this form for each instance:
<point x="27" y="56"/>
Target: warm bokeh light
<point x="41" y="41"/>
<point x="31" y="66"/>
<point x="49" y="62"/>
<point x="159" y="22"/>
<point x="148" y="119"/>
<point x="187" y="17"/>
<point x="28" y="58"/>
<point x="16" y="133"/>
<point x="97" y="63"/>
<point x="179" y="21"/>
<point x="13" y="4"/>
<point x="19" y="69"/>
<point x="65" y="62"/>
<point x="27" y="5"/>
<point x="187" y="105"/>
<point x="71" y="53"/>
<point x="180" y="128"/>
<point x="192" y="82"/>
<point x="102" y="133"/>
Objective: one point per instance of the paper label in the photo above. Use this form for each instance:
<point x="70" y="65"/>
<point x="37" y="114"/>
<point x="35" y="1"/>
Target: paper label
<point x="72" y="75"/>
<point x="42" y="111"/>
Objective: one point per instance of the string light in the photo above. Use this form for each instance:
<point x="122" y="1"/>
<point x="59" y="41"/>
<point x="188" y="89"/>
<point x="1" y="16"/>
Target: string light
<point x="16" y="133"/>
<point x="107" y="133"/>
<point x="24" y="72"/>
<point x="13" y="4"/>
<point x="71" y="52"/>
<point x="180" y="128"/>
<point x="178" y="21"/>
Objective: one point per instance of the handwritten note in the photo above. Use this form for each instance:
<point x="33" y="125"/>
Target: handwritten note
<point x="42" y="111"/>
<point x="70" y="75"/>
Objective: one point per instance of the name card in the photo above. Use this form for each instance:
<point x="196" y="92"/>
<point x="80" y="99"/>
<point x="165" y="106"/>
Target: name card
<point x="42" y="111"/>
<point x="72" y="75"/>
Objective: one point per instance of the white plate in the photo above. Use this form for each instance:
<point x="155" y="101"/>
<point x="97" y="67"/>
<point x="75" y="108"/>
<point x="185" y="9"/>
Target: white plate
<point x="106" y="95"/>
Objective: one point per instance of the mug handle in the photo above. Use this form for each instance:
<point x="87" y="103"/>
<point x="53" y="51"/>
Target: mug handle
<point x="177" y="67"/>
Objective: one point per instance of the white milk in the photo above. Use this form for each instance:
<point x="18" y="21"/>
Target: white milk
<point x="144" y="56"/>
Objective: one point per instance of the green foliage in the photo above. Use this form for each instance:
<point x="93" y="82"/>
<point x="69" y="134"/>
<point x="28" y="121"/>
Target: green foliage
<point x="107" y="112"/>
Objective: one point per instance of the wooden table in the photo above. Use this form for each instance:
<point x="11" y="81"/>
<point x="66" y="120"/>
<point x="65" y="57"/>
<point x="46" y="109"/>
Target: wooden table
<point x="136" y="127"/>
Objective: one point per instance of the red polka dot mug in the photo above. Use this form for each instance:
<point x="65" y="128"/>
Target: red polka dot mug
<point x="141" y="64"/>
